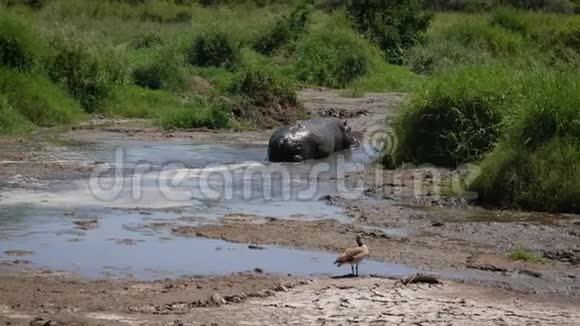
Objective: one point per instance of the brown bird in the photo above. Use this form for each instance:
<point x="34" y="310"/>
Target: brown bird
<point x="353" y="256"/>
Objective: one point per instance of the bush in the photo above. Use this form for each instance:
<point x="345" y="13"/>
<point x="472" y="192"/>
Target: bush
<point x="199" y="113"/>
<point x="18" y="45"/>
<point x="455" y="120"/>
<point x="164" y="72"/>
<point x="264" y="99"/>
<point x="11" y="121"/>
<point x="215" y="49"/>
<point x="284" y="31"/>
<point x="394" y="25"/>
<point x="38" y="100"/>
<point x="87" y="75"/>
<point x="332" y="58"/>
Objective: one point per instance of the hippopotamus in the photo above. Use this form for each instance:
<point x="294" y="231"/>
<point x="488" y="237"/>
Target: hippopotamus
<point x="309" y="139"/>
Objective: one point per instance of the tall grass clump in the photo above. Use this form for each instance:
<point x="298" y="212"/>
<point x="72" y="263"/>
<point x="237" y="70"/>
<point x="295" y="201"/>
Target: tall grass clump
<point x="263" y="98"/>
<point x="332" y="57"/>
<point x="19" y="47"/>
<point x="394" y="25"/>
<point x="38" y="100"/>
<point x="165" y="70"/>
<point x="89" y="75"/>
<point x="214" y="49"/>
<point x="455" y="119"/>
<point x="537" y="165"/>
<point x="287" y="29"/>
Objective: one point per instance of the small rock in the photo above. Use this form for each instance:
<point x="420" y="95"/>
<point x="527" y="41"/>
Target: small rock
<point x="18" y="252"/>
<point x="258" y="270"/>
<point x="218" y="300"/>
<point x="86" y="224"/>
<point x="437" y="224"/>
<point x="255" y="247"/>
<point x="486" y="267"/>
<point x="530" y="273"/>
<point x="280" y="288"/>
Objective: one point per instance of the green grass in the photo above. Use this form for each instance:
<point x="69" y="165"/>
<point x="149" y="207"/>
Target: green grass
<point x="11" y="121"/>
<point x="197" y="113"/>
<point x="454" y="119"/>
<point x="19" y="48"/>
<point x="38" y="100"/>
<point x="523" y="254"/>
<point x="136" y="102"/>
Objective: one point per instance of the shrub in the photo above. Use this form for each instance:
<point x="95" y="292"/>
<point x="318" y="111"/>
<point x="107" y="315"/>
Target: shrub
<point x="164" y="72"/>
<point x="38" y="100"/>
<point x="11" y="121"/>
<point x="87" y="75"/>
<point x="284" y="31"/>
<point x="18" y="45"/>
<point x="332" y="58"/>
<point x="395" y="25"/>
<point x="199" y="113"/>
<point x="456" y="119"/>
<point x="214" y="49"/>
<point x="263" y="98"/>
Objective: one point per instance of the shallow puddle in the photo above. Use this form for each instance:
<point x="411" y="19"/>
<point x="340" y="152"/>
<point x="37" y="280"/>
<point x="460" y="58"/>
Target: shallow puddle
<point x="116" y="244"/>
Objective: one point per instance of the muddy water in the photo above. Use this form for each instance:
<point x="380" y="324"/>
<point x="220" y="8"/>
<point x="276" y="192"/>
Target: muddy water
<point x="118" y="245"/>
<point x="136" y="182"/>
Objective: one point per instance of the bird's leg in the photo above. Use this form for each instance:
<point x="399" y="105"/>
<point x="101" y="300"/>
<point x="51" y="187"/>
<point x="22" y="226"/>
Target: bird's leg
<point x="352" y="268"/>
<point x="356" y="269"/>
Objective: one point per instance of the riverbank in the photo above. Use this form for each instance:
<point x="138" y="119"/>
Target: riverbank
<point x="409" y="224"/>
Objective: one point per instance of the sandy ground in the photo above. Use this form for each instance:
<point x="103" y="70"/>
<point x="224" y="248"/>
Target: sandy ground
<point x="254" y="299"/>
<point x="406" y="219"/>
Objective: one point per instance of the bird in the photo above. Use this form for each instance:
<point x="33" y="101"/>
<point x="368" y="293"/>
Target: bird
<point x="353" y="255"/>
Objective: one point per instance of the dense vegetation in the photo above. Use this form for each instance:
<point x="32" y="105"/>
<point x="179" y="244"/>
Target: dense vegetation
<point x="188" y="64"/>
<point x="503" y="92"/>
<point x="493" y="82"/>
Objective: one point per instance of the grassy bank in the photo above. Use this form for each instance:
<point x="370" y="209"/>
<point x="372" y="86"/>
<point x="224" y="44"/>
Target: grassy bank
<point x="503" y="92"/>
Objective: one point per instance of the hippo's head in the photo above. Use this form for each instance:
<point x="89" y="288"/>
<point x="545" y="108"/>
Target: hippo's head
<point x="347" y="139"/>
